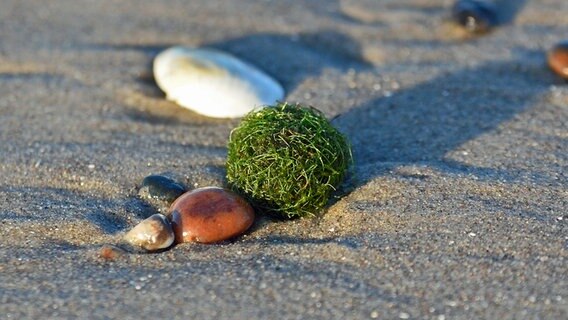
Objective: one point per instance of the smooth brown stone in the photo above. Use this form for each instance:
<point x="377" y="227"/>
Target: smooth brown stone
<point x="154" y="233"/>
<point x="558" y="59"/>
<point x="210" y="215"/>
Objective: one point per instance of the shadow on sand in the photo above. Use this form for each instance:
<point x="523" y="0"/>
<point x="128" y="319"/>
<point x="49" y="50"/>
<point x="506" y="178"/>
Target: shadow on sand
<point x="424" y="123"/>
<point x="288" y="58"/>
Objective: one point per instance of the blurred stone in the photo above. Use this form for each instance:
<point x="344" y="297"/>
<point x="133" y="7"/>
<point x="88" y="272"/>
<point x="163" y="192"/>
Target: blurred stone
<point x="558" y="59"/>
<point x="111" y="253"/>
<point x="476" y="16"/>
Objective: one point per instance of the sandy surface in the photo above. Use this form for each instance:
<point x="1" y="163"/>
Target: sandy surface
<point x="458" y="209"/>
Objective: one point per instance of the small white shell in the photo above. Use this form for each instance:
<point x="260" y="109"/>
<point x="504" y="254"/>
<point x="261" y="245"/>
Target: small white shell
<point x="214" y="83"/>
<point x="152" y="234"/>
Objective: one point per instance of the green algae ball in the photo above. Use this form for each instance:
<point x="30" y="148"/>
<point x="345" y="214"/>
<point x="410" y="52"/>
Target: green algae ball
<point x="287" y="160"/>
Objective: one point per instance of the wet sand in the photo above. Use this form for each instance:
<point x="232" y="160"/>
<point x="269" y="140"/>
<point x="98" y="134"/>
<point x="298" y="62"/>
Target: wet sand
<point x="457" y="209"/>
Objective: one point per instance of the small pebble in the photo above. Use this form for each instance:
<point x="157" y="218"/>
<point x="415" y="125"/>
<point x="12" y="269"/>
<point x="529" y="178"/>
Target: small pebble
<point x="161" y="188"/>
<point x="210" y="215"/>
<point x="152" y="234"/>
<point x="476" y="16"/>
<point x="111" y="253"/>
<point x="558" y="59"/>
<point x="214" y="83"/>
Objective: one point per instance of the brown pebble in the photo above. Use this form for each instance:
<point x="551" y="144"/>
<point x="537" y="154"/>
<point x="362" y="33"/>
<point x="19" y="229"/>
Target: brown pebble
<point x="210" y="215"/>
<point x="558" y="59"/>
<point x="111" y="253"/>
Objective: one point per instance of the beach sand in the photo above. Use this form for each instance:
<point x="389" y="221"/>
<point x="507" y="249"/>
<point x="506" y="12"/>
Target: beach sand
<point x="457" y="208"/>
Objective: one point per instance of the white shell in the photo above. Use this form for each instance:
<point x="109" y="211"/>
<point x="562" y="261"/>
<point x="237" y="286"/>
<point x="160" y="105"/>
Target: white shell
<point x="214" y="83"/>
<point x="152" y="234"/>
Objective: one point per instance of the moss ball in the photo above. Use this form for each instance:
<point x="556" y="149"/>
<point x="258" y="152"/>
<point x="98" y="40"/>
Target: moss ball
<point x="287" y="160"/>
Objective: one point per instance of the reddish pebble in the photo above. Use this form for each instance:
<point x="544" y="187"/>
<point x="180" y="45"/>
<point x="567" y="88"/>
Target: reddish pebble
<point x="558" y="59"/>
<point x="110" y="252"/>
<point x="210" y="215"/>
